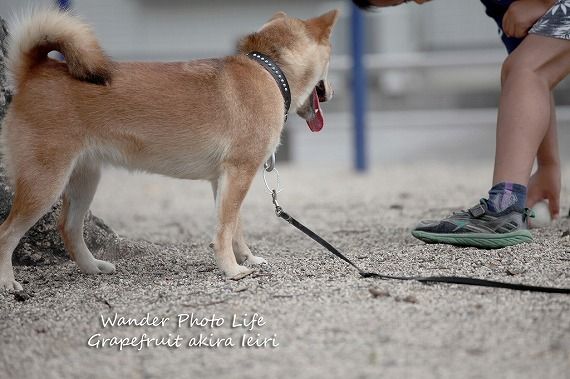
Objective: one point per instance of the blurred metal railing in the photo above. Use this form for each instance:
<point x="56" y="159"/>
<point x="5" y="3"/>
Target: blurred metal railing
<point x="419" y="60"/>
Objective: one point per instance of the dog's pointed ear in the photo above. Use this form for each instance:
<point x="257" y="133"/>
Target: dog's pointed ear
<point x="277" y="15"/>
<point x="321" y="27"/>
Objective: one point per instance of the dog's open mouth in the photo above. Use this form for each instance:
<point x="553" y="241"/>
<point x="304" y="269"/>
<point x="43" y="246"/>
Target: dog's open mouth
<point x="314" y="116"/>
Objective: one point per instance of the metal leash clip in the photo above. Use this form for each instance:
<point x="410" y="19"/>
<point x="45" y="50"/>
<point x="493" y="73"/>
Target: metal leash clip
<point x="269" y="167"/>
<point x="278" y="209"/>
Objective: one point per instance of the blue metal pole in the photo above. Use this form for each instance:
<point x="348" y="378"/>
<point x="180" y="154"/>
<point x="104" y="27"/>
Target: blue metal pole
<point x="359" y="97"/>
<point x="64" y="4"/>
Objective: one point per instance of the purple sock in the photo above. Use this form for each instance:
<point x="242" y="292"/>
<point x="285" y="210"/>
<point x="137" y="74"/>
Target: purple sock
<point x="506" y="194"/>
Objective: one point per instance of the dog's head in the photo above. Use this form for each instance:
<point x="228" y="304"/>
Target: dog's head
<point x="302" y="49"/>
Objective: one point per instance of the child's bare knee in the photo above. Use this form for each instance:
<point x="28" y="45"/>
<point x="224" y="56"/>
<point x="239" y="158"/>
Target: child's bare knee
<point x="520" y="70"/>
<point x="549" y="67"/>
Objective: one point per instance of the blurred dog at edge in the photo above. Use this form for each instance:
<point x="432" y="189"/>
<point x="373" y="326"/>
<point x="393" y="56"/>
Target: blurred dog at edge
<point x="209" y="119"/>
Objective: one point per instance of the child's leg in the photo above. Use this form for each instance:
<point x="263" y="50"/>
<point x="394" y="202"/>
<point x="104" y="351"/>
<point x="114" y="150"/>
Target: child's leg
<point x="548" y="152"/>
<point x="525" y="114"/>
<point x="545" y="183"/>
<point x="529" y="75"/>
<point x="525" y="111"/>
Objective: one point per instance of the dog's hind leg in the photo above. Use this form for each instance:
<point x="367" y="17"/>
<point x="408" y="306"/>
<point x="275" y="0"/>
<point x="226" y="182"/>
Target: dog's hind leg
<point x="241" y="250"/>
<point x="235" y="183"/>
<point x="37" y="187"/>
<point x="77" y="198"/>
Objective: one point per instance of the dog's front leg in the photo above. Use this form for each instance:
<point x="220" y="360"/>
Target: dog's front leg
<point x="231" y="191"/>
<point x="241" y="250"/>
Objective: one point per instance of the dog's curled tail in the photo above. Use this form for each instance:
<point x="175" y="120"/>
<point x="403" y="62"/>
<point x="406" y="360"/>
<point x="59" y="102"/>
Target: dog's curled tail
<point x="34" y="36"/>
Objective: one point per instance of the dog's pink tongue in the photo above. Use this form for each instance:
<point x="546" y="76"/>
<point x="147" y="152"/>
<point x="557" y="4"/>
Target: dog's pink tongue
<point x="317" y="122"/>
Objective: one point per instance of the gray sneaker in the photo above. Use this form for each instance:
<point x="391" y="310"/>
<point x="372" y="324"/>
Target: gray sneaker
<point x="478" y="227"/>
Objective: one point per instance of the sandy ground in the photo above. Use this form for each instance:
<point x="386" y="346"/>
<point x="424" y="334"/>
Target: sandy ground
<point x="322" y="316"/>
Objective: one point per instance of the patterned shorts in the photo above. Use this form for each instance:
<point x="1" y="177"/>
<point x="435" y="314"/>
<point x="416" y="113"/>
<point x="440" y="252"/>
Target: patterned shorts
<point x="555" y="23"/>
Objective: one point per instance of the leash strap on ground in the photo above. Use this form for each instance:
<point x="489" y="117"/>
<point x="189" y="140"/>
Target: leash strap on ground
<point x="423" y="279"/>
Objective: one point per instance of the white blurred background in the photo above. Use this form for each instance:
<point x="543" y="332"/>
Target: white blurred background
<point x="433" y="74"/>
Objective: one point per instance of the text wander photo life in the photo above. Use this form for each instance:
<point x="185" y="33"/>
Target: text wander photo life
<point x="184" y="330"/>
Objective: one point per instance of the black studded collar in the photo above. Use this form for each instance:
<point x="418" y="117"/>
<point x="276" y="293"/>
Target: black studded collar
<point x="277" y="74"/>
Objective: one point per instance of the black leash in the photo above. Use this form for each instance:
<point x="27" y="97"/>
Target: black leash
<point x="269" y="166"/>
<point x="423" y="279"/>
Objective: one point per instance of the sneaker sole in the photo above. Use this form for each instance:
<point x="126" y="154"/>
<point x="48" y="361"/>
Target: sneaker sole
<point x="479" y="240"/>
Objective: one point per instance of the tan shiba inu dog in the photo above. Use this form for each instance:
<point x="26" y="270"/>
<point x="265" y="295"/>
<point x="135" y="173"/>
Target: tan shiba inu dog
<point x="211" y="119"/>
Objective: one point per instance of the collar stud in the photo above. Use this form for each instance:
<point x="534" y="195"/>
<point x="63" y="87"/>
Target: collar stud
<point x="272" y="67"/>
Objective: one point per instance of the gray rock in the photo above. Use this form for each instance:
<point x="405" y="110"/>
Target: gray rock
<point x="43" y="244"/>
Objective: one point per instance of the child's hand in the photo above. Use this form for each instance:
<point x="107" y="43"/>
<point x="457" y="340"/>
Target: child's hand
<point x="545" y="184"/>
<point x="522" y="15"/>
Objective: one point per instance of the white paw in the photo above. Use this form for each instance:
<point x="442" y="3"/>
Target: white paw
<point x="97" y="266"/>
<point x="105" y="267"/>
<point x="10" y="285"/>
<point x="253" y="260"/>
<point x="238" y="272"/>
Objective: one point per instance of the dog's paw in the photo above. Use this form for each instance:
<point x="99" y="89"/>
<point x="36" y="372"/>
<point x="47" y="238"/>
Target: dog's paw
<point x="105" y="267"/>
<point x="97" y="267"/>
<point x="253" y="260"/>
<point x="239" y="272"/>
<point x="10" y="285"/>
